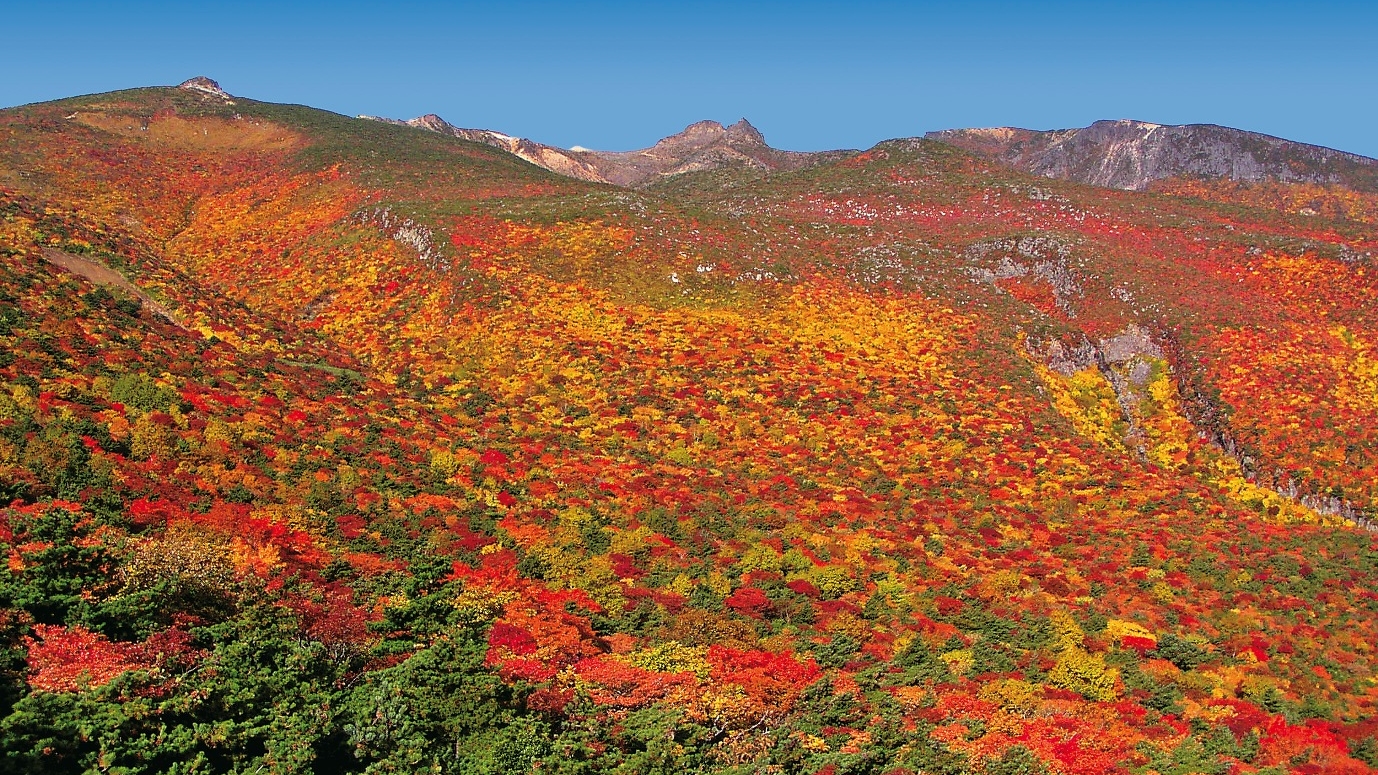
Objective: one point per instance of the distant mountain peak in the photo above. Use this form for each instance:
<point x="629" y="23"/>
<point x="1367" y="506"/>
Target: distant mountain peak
<point x="432" y="122"/>
<point x="708" y="132"/>
<point x="703" y="145"/>
<point x="205" y="85"/>
<point x="707" y="126"/>
<point x="1132" y="154"/>
<point x="1128" y="122"/>
<point x="743" y="130"/>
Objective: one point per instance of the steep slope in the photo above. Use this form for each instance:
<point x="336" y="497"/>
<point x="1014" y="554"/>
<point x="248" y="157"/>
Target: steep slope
<point x="1134" y="154"/>
<point x="902" y="462"/>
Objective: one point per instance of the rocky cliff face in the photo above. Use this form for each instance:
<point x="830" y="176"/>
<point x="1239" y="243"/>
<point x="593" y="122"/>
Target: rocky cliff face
<point x="1133" y="154"/>
<point x="704" y="145"/>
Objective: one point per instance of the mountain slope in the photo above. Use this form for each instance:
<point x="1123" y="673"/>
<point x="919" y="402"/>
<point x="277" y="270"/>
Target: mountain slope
<point x="904" y="461"/>
<point x="1134" y="154"/>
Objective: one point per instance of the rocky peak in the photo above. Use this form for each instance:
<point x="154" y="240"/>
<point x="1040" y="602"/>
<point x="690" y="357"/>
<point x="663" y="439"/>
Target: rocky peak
<point x="204" y="85"/>
<point x="706" y="128"/>
<point x="744" y="133"/>
<point x="697" y="135"/>
<point x="702" y="134"/>
<point x="432" y="122"/>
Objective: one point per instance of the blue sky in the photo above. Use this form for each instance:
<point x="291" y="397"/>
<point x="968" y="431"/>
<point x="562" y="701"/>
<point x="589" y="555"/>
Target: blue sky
<point x="810" y="75"/>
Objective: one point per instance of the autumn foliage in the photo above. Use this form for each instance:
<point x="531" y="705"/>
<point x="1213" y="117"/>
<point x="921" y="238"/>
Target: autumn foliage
<point x="902" y="464"/>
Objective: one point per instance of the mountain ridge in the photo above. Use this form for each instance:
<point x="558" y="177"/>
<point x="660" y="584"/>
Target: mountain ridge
<point x="550" y="157"/>
<point x="1122" y="153"/>
<point x="1130" y="154"/>
<point x="702" y="145"/>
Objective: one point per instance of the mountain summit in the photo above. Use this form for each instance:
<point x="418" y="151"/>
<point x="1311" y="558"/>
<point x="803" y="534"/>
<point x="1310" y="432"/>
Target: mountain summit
<point x="703" y="145"/>
<point x="1131" y="154"/>
<point x="205" y="85"/>
<point x="702" y="134"/>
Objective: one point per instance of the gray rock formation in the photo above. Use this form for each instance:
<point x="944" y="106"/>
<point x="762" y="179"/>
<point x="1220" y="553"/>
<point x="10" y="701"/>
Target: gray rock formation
<point x="1133" y="154"/>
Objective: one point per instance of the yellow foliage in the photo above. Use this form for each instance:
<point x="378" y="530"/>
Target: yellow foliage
<point x="150" y="440"/>
<point x="573" y="519"/>
<point x="720" y="585"/>
<point x="218" y="430"/>
<point x="1087" y="399"/>
<point x="1014" y="696"/>
<point x="1257" y="688"/>
<point x="681" y="585"/>
<point x="478" y="605"/>
<point x="1086" y="674"/>
<point x="444" y="463"/>
<point x="20" y="403"/>
<point x="760" y="557"/>
<point x="810" y="743"/>
<point x="602" y="585"/>
<point x="1068" y="634"/>
<point x="1000" y="583"/>
<point x="832" y="580"/>
<point x="1162" y="593"/>
<point x="729" y="707"/>
<point x="672" y="657"/>
<point x="1118" y="629"/>
<point x="959" y="661"/>
<point x="629" y="541"/>
<point x="183" y="554"/>
<point x="845" y="623"/>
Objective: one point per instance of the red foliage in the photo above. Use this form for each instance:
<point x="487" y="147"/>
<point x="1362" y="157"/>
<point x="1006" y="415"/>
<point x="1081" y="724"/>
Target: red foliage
<point x="619" y="684"/>
<point x="774" y="680"/>
<point x="750" y="601"/>
<point x="70" y="659"/>
<point x="948" y="606"/>
<point x="1312" y="747"/>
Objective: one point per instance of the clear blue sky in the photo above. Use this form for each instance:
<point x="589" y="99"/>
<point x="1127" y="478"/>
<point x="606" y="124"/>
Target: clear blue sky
<point x="810" y="75"/>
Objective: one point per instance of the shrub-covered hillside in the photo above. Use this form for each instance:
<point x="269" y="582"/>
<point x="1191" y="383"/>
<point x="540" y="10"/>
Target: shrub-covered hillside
<point x="331" y="445"/>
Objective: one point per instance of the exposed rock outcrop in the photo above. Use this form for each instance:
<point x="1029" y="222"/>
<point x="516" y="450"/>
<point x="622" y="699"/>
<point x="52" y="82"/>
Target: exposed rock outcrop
<point x="1133" y="154"/>
<point x="205" y="85"/>
<point x="1127" y="359"/>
